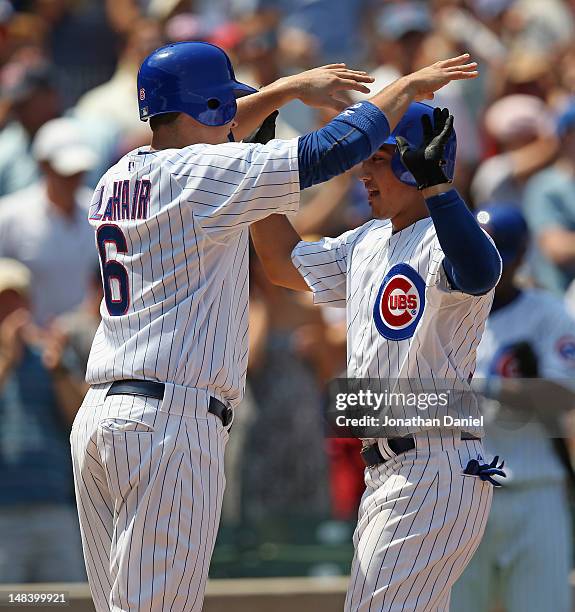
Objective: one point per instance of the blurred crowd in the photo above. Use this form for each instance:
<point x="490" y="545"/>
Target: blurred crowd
<point x="68" y="110"/>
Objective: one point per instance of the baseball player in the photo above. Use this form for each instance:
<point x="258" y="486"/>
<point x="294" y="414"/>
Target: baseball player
<point x="168" y="363"/>
<point x="525" y="556"/>
<point x="417" y="282"/>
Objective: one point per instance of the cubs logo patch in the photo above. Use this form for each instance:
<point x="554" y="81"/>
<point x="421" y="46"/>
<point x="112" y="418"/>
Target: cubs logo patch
<point x="399" y="303"/>
<point x="505" y="364"/>
<point x="565" y="347"/>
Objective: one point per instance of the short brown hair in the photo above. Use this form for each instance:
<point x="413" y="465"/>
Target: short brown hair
<point x="164" y="119"/>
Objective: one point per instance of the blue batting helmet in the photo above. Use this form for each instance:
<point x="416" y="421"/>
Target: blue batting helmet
<point x="411" y="129"/>
<point x="195" y="78"/>
<point x="508" y="228"/>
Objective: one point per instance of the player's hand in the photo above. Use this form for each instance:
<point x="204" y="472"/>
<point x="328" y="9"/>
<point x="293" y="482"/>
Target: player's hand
<point x="323" y="87"/>
<point x="55" y="344"/>
<point x="426" y="162"/>
<point x="431" y="78"/>
<point x="12" y="337"/>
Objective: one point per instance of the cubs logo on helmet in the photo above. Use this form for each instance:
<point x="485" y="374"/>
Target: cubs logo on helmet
<point x="399" y="303"/>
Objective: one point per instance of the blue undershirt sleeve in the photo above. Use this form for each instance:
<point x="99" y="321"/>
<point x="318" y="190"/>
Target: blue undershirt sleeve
<point x="348" y="139"/>
<point x="472" y="263"/>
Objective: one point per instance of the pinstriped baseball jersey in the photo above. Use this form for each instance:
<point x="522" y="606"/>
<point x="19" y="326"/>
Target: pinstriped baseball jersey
<point x="420" y="518"/>
<point x="539" y="318"/>
<point x="515" y="548"/>
<point x="172" y="234"/>
<point x="403" y="319"/>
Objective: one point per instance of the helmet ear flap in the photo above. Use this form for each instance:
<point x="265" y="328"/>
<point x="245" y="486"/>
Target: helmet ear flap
<point x="401" y="172"/>
<point x="215" y="109"/>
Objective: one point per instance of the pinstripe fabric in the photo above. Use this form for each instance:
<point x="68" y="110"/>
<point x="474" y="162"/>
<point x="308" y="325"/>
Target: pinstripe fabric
<point x="529" y="532"/>
<point x="525" y="557"/>
<point x="540" y="319"/>
<point x="149" y="482"/>
<point x="420" y="521"/>
<point x="348" y="271"/>
<point x="187" y="262"/>
<point x="149" y="475"/>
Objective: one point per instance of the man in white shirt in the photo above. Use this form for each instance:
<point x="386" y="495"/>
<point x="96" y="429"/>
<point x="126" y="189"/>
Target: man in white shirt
<point x="45" y="227"/>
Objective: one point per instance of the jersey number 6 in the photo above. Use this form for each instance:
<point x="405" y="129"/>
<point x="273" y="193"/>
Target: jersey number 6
<point x="117" y="301"/>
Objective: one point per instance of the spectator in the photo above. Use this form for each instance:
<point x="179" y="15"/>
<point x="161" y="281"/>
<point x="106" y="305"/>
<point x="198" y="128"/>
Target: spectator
<point x="115" y="100"/>
<point x="331" y="30"/>
<point x="462" y="27"/>
<point x="256" y="50"/>
<point x="30" y="92"/>
<point x="261" y="62"/>
<point x="123" y="13"/>
<point x="550" y="212"/>
<point x="528" y="335"/>
<point x="6" y="15"/>
<point x="522" y="128"/>
<point x="287" y="399"/>
<point x="401" y="31"/>
<point x="406" y="41"/>
<point x="545" y="25"/>
<point x="323" y="345"/>
<point x="45" y="225"/>
<point x="528" y="72"/>
<point x="79" y="326"/>
<point x="77" y="34"/>
<point x="495" y="14"/>
<point x="39" y="535"/>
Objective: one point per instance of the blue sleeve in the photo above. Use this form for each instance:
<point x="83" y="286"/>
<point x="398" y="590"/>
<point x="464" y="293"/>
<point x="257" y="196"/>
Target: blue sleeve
<point x="472" y="262"/>
<point x="348" y="139"/>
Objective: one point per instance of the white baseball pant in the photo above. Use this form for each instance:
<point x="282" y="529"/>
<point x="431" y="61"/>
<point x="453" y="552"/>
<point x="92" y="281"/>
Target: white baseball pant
<point x="420" y="521"/>
<point x="149" y="481"/>
<point x="526" y="554"/>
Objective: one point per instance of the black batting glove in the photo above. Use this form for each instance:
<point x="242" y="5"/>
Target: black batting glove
<point x="266" y="131"/>
<point x="426" y="162"/>
<point x="527" y="361"/>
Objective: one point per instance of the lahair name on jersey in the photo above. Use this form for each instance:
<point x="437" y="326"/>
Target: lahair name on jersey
<point x="122" y="205"/>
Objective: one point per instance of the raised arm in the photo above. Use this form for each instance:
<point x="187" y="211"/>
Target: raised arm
<point x="347" y="140"/>
<point x="274" y="240"/>
<point x="458" y="232"/>
<point x="318" y="87"/>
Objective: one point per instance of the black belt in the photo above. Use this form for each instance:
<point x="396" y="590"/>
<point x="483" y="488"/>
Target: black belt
<point x="155" y="390"/>
<point x="372" y="456"/>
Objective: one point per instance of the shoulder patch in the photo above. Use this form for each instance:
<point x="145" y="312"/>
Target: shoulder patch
<point x="565" y="348"/>
<point x="505" y="363"/>
<point x="399" y="303"/>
